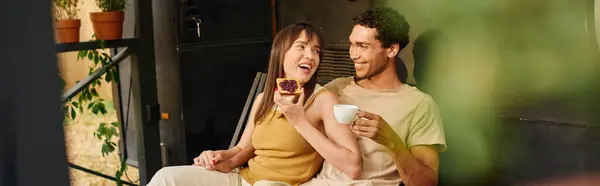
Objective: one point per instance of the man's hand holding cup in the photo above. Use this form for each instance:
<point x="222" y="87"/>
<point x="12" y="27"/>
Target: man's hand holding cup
<point x="373" y="126"/>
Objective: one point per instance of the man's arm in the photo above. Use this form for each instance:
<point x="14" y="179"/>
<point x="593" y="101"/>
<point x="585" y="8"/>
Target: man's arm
<point x="417" y="166"/>
<point x="417" y="160"/>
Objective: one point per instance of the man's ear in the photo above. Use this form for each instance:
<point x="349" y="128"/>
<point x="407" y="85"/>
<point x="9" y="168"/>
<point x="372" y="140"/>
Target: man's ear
<point x="393" y="50"/>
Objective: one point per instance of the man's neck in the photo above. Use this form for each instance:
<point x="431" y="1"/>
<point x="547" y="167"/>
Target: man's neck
<point x="386" y="80"/>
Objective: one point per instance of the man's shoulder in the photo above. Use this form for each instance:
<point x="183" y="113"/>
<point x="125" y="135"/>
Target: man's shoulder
<point x="338" y="84"/>
<point x="416" y="94"/>
<point x="340" y="80"/>
<point x="412" y="98"/>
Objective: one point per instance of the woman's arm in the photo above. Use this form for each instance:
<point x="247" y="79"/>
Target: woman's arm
<point x="341" y="148"/>
<point x="242" y="157"/>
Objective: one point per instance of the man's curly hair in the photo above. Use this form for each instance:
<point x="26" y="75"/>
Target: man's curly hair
<point x="391" y="26"/>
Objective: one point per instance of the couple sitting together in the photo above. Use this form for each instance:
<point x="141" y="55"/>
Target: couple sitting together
<point x="396" y="140"/>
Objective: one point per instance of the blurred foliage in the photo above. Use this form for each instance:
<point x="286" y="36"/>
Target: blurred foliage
<point x="505" y="58"/>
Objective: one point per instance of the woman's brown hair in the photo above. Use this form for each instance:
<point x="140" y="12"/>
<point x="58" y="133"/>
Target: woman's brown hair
<point x="282" y="43"/>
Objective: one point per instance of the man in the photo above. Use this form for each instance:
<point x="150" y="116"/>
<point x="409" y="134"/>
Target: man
<point x="400" y="130"/>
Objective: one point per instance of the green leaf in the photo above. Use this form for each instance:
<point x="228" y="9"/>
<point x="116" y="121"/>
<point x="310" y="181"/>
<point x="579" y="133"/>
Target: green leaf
<point x="84" y="54"/>
<point x="102" y="125"/>
<point x="104" y="150"/>
<point x="102" y="108"/>
<point x="123" y="165"/>
<point x="116" y="75"/>
<point x="101" y="132"/>
<point x="94" y="92"/>
<point x="73" y="113"/>
<point x="111" y="147"/>
<point x="95" y="110"/>
<point x="80" y="99"/>
<point x="109" y="76"/>
<point x="81" y="54"/>
<point x="96" y="60"/>
<point x="114" y="131"/>
<point x="115" y="124"/>
<point x="91" y="105"/>
<point x="90" y="56"/>
<point x="89" y="97"/>
<point x="76" y="104"/>
<point x="103" y="111"/>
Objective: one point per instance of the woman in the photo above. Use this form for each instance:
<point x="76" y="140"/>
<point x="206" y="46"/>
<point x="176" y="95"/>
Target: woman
<point x="283" y="141"/>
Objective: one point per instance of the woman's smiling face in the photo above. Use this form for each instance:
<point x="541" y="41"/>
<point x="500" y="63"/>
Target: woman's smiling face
<point x="302" y="59"/>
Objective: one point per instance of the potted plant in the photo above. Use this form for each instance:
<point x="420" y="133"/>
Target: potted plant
<point x="66" y="22"/>
<point x="108" y="24"/>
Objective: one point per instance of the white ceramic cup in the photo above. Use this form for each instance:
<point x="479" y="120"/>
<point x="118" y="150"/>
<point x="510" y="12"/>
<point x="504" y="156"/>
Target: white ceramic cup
<point x="345" y="114"/>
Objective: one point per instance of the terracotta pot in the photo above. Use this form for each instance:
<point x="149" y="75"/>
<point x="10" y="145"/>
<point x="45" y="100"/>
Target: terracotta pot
<point x="67" y="31"/>
<point x="108" y="25"/>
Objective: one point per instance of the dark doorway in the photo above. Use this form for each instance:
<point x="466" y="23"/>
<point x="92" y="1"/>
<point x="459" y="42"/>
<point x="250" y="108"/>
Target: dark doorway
<point x="218" y="64"/>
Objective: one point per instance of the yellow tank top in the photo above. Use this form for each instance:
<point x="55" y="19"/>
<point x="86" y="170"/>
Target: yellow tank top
<point x="282" y="154"/>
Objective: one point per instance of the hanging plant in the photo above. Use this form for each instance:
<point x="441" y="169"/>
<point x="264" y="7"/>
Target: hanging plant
<point x="89" y="100"/>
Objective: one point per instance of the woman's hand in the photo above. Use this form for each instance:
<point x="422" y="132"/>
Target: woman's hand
<point x="224" y="166"/>
<point x="211" y="158"/>
<point x="294" y="112"/>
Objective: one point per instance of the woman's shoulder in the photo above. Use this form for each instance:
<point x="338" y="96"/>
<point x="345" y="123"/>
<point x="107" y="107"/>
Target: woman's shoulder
<point x="325" y="96"/>
<point x="259" y="96"/>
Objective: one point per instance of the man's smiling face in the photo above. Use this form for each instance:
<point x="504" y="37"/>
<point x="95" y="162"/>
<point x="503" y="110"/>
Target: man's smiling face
<point x="367" y="52"/>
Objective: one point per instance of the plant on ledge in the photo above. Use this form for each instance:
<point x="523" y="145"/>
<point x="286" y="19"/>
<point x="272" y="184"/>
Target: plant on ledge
<point x="67" y="23"/>
<point x="111" y="5"/>
<point x="108" y="24"/>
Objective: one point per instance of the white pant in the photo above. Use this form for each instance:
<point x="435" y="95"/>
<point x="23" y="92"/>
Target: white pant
<point x="199" y="176"/>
